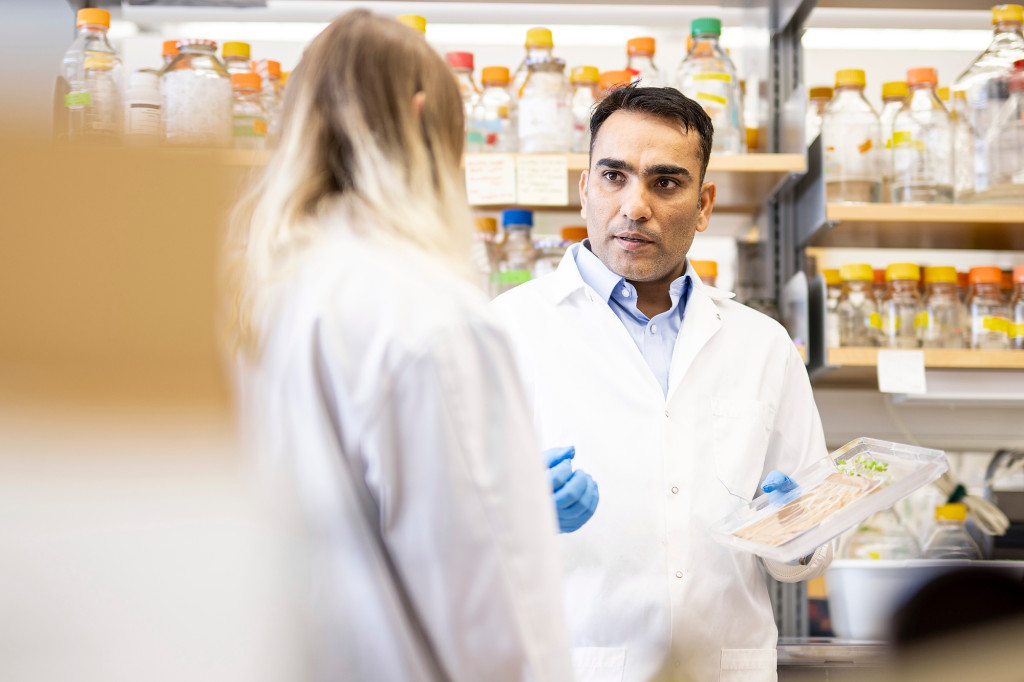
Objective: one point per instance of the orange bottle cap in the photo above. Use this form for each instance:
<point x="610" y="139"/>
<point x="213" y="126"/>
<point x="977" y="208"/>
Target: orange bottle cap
<point x="246" y="81"/>
<point x="1018" y="274"/>
<point x="494" y="74"/>
<point x="485" y="224"/>
<point x="170" y="48"/>
<point x="821" y="92"/>
<point x="642" y="46"/>
<point x="93" y="17"/>
<point x="574" y="233"/>
<point x="611" y="80"/>
<point x="925" y="74"/>
<point x="985" y="275"/>
<point x="705" y="268"/>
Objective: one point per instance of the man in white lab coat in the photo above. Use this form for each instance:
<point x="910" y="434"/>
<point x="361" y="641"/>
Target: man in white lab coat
<point x="678" y="400"/>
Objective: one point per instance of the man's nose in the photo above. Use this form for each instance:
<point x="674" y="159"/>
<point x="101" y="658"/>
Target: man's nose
<point x="635" y="205"/>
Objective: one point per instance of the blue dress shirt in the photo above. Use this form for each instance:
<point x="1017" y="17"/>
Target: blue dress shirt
<point x="655" y="337"/>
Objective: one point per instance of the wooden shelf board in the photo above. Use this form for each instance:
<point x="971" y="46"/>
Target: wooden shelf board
<point x="951" y="226"/>
<point x="934" y="358"/>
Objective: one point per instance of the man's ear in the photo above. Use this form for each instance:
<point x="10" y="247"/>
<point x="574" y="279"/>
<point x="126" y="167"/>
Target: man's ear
<point x="708" y="192"/>
<point x="584" y="176"/>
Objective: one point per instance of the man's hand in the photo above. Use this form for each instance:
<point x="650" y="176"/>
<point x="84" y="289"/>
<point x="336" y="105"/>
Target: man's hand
<point x="575" y="491"/>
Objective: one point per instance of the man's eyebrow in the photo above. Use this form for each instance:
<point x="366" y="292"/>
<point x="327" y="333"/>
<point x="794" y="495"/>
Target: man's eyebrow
<point x="665" y="169"/>
<point x="616" y="164"/>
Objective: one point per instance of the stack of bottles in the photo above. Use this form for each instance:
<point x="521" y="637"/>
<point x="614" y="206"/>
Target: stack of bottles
<point x="541" y="107"/>
<point x="507" y="258"/>
<point x="930" y="145"/>
<point x="195" y="98"/>
<point x="924" y="308"/>
<point x="884" y="536"/>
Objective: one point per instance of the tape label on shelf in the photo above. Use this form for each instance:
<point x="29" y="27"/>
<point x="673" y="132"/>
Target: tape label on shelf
<point x="491" y="179"/>
<point x="542" y="180"/>
<point x="901" y="371"/>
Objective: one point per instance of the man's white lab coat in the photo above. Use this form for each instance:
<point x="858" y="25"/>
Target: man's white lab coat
<point x="649" y="594"/>
<point x="388" y="396"/>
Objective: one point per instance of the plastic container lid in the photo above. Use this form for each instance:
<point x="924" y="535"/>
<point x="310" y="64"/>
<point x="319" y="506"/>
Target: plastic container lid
<point x="1007" y="13"/>
<point x="246" y="81"/>
<point x="485" y="224"/>
<point x="706" y="25"/>
<point x="539" y="37"/>
<point x="235" y="49"/>
<point x="413" y="21"/>
<point x="267" y="68"/>
<point x="705" y="268"/>
<point x="516" y="216"/>
<point x="494" y="74"/>
<point x="584" y="74"/>
<point x="856" y="272"/>
<point x="922" y="75"/>
<point x="93" y="17"/>
<point x="902" y="271"/>
<point x="831" y="276"/>
<point x="985" y="274"/>
<point x="850" y="77"/>
<point x="460" y="60"/>
<point x="1018" y="274"/>
<point x="940" y="273"/>
<point x="643" y="46"/>
<point x="832" y="496"/>
<point x="821" y="92"/>
<point x="954" y="511"/>
<point x="573" y="233"/>
<point x="895" y="89"/>
<point x="610" y="80"/>
<point x="170" y="48"/>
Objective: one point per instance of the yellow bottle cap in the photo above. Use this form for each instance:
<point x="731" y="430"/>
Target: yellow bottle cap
<point x="539" y="37"/>
<point x="93" y="17"/>
<point x="821" y="92"/>
<point x="485" y="224"/>
<point x="284" y="78"/>
<point x="705" y="268"/>
<point x="413" y="21"/>
<point x="895" y="89"/>
<point x="943" y="93"/>
<point x="1007" y="13"/>
<point x="831" y="276"/>
<point x="939" y="273"/>
<point x="956" y="511"/>
<point x="236" y="50"/>
<point x="859" y="272"/>
<point x="902" y="271"/>
<point x="584" y="74"/>
<point x="850" y="77"/>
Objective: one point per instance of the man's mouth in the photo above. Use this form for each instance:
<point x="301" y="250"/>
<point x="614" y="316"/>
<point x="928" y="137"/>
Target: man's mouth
<point x="631" y="241"/>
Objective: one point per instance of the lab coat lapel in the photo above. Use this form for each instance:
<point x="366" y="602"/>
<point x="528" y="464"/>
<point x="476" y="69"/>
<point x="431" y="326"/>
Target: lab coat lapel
<point x="701" y="321"/>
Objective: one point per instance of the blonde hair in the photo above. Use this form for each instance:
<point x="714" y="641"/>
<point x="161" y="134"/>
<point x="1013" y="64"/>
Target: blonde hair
<point x="355" y="154"/>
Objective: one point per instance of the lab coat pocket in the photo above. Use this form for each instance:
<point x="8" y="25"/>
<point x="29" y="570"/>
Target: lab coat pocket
<point x="740" y="429"/>
<point x="598" y="664"/>
<point x="748" y="665"/>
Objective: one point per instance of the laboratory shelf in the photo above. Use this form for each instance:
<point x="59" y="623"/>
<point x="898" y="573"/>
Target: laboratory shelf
<point x="950" y="226"/>
<point x="857" y="367"/>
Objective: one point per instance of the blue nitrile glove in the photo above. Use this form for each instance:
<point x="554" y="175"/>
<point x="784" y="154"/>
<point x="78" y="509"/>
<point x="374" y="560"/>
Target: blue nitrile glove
<point x="778" y="486"/>
<point x="575" y="491"/>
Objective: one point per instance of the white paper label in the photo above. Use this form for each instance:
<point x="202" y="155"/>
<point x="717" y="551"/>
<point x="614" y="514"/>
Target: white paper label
<point x="901" y="371"/>
<point x="542" y="181"/>
<point x="143" y="119"/>
<point x="490" y="179"/>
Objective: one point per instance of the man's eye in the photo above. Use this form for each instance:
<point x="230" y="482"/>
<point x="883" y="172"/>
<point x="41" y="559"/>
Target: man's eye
<point x="614" y="176"/>
<point x="666" y="183"/>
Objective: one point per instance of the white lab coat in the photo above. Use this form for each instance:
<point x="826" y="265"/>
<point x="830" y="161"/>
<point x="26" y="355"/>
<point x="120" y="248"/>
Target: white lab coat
<point x="389" y="397"/>
<point x="649" y="594"/>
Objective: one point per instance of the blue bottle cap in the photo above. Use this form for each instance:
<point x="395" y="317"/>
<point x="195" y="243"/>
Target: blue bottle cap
<point x="516" y="216"/>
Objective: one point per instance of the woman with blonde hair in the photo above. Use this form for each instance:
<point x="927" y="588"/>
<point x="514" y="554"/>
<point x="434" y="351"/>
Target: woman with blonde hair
<point x="371" y="374"/>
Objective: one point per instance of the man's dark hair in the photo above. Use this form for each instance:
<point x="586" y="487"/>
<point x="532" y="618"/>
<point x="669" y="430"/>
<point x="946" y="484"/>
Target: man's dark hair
<point x="664" y="103"/>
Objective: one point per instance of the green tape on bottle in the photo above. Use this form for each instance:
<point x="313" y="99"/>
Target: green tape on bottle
<point x="77" y="100"/>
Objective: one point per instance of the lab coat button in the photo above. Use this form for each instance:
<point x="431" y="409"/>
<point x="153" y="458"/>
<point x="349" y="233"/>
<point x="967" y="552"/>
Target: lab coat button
<point x="679" y="574"/>
<point x="675" y="490"/>
<point x="666" y="413"/>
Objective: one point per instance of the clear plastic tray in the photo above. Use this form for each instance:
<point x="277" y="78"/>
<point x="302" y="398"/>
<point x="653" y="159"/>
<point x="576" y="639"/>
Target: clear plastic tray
<point x="832" y="496"/>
